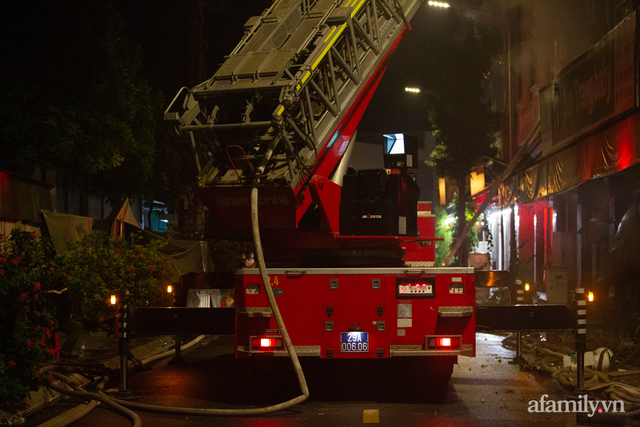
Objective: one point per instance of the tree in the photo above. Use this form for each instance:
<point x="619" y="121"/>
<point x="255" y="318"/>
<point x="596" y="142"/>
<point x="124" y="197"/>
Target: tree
<point x="458" y="109"/>
<point x="71" y="97"/>
<point x="26" y="274"/>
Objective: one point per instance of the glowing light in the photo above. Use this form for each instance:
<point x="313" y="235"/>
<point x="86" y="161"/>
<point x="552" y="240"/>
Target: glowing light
<point x="590" y="296"/>
<point x="442" y="191"/>
<point x="265" y="342"/>
<point x="113" y="300"/>
<point x="477" y="183"/>
<point x="445" y="342"/>
<point x="169" y="289"/>
<point x="439" y="4"/>
<point x="412" y="89"/>
<point x="527" y="287"/>
<point x="449" y="221"/>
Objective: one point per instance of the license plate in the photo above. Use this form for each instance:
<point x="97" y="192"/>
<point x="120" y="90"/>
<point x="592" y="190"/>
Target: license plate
<point x="354" y="342"/>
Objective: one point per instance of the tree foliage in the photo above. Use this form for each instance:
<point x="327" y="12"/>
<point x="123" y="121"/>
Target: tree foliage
<point x="458" y="109"/>
<point x="26" y="274"/>
<point x="71" y="96"/>
<point x="97" y="266"/>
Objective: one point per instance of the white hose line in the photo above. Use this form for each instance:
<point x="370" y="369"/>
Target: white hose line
<point x="255" y="228"/>
<point x="71" y="416"/>
<point x="276" y="313"/>
<point x="172" y="351"/>
<point x="272" y="300"/>
<point x="78" y="392"/>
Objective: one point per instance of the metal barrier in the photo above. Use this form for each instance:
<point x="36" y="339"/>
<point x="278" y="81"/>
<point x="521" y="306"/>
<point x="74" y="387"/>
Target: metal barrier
<point x="533" y="318"/>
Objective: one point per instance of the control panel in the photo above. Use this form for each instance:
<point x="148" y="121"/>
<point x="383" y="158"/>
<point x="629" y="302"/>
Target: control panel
<point x="416" y="287"/>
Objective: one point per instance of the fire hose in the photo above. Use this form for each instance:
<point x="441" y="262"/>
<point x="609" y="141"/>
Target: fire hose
<point x="548" y="360"/>
<point x="122" y="405"/>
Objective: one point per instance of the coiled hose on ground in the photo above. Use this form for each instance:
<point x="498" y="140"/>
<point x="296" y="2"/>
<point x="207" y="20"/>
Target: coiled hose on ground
<point x="548" y="360"/>
<point x="120" y="405"/>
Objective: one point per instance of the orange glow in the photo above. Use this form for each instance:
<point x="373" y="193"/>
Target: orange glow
<point x="477" y="183"/>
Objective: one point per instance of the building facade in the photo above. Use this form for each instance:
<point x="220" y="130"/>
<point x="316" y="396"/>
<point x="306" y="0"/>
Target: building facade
<point x="572" y="104"/>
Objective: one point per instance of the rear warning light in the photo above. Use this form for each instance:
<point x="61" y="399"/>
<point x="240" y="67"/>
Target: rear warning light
<point x="444" y="343"/>
<point x="266" y="343"/>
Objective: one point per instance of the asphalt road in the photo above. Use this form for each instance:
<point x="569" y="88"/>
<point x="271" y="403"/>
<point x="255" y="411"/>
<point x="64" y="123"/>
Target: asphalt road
<point x="483" y="391"/>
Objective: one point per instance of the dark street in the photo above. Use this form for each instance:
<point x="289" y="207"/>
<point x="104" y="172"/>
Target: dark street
<point x="485" y="391"/>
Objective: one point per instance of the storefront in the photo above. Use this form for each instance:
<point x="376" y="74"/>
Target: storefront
<point x="562" y="211"/>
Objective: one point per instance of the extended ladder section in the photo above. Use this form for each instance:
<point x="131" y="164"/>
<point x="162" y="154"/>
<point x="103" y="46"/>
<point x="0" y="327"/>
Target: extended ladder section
<point x="296" y="85"/>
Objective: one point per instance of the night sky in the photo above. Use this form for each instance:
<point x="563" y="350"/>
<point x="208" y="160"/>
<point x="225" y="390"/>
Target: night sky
<point x="162" y="30"/>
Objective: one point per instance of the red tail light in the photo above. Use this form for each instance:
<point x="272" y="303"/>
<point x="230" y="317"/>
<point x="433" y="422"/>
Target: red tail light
<point x="444" y="343"/>
<point x="266" y="343"/>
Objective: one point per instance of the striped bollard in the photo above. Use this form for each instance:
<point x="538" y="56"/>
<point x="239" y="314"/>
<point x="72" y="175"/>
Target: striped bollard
<point x="581" y="336"/>
<point x="519" y="300"/>
<point x="123" y="343"/>
<point x="519" y="292"/>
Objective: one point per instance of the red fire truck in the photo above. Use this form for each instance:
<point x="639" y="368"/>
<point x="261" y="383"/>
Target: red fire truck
<point x="349" y="255"/>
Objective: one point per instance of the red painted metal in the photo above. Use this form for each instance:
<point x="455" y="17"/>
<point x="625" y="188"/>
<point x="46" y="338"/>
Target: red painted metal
<point x="394" y="238"/>
<point x="418" y="251"/>
<point x="305" y="298"/>
<point x="230" y="206"/>
<point x="327" y="194"/>
<point x="332" y="152"/>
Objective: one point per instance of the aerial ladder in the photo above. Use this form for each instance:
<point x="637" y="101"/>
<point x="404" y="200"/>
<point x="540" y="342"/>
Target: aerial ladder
<point x="288" y="99"/>
<point x="276" y="124"/>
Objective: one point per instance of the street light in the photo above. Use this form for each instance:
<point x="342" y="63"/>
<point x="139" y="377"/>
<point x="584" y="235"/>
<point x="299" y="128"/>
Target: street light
<point x="412" y="89"/>
<point x="439" y="4"/>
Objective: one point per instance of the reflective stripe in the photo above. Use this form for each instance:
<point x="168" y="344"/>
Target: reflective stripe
<point x="582" y="312"/>
<point x="520" y="291"/>
<point x="333" y="30"/>
<point x="327" y="47"/>
<point x="582" y="331"/>
<point x="280" y="111"/>
<point x="582" y="303"/>
<point x="579" y="290"/>
<point x="355" y="9"/>
<point x="582" y="321"/>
